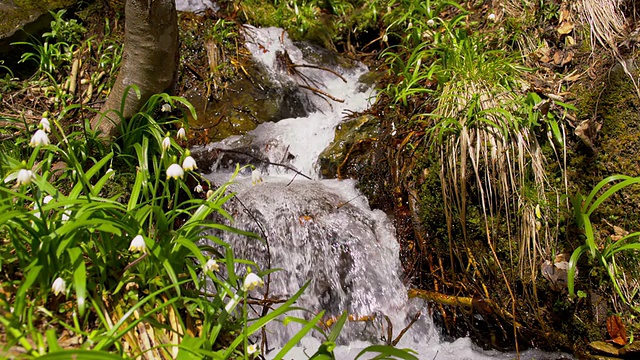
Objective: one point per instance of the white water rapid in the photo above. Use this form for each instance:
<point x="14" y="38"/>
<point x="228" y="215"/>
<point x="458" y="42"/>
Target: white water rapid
<point x="323" y="230"/>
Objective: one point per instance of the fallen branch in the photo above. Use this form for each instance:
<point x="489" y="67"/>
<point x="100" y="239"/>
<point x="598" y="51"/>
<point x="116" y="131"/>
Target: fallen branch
<point x="320" y="92"/>
<point x="441" y="298"/>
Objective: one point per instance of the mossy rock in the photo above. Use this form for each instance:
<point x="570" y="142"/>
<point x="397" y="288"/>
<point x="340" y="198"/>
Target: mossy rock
<point x="15" y="15"/>
<point x="616" y="107"/>
<point x="357" y="153"/>
<point x="238" y="94"/>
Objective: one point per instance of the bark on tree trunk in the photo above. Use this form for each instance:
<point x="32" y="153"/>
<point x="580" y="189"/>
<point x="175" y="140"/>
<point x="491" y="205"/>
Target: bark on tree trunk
<point x="150" y="59"/>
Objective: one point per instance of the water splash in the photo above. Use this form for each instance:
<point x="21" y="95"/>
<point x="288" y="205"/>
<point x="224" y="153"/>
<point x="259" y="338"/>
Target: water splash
<point x="323" y="230"/>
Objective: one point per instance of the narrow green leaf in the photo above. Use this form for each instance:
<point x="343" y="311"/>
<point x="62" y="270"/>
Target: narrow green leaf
<point x="79" y="277"/>
<point x="75" y="354"/>
<point x="298" y="336"/>
<point x="388" y="351"/>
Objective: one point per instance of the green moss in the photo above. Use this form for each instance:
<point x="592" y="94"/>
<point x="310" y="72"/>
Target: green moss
<point x="25" y="11"/>
<point x="616" y="106"/>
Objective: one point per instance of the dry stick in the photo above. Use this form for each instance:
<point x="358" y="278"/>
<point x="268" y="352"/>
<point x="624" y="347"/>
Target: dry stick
<point x="347" y="202"/>
<point x="134" y="262"/>
<point x="265" y="161"/>
<point x="397" y="339"/>
<point x="320" y="92"/>
<point x="321" y="68"/>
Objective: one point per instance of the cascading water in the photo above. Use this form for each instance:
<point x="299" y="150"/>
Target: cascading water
<point x="322" y="230"/>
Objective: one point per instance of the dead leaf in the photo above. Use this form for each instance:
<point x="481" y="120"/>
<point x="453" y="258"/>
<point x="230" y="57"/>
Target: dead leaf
<point x="567" y="58"/>
<point x="564" y="15"/>
<point x="572" y="77"/>
<point x="304" y="219"/>
<point x="587" y="131"/>
<point x="557" y="58"/>
<point x="570" y="40"/>
<point x="616" y="330"/>
<point x="565" y="28"/>
<point x="619" y="233"/>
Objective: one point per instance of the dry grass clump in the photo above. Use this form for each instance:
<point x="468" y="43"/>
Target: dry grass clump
<point x="606" y="22"/>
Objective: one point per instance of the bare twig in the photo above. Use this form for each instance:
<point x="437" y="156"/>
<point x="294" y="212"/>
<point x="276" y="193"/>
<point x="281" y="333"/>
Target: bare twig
<point x="323" y="93"/>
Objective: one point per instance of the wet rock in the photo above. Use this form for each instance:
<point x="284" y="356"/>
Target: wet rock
<point x="243" y="150"/>
<point x="357" y="153"/>
<point x="631" y="351"/>
<point x="604" y="348"/>
<point x="353" y="140"/>
<point x="246" y="103"/>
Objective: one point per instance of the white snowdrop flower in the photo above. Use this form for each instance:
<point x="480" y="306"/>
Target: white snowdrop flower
<point x="252" y="349"/>
<point x="198" y="188"/>
<point x="165" y="108"/>
<point x="24" y="177"/>
<point x="59" y="286"/>
<point x="175" y="171"/>
<point x="45" y="124"/>
<point x="138" y="244"/>
<point x="209" y="193"/>
<point x="166" y="143"/>
<point x="65" y="216"/>
<point x="39" y="138"/>
<point x="47" y="199"/>
<point x="182" y="134"/>
<point x="110" y="171"/>
<point x="252" y="281"/>
<point x="431" y="23"/>
<point x="189" y="163"/>
<point x="491" y="17"/>
<point x="211" y="265"/>
<point x="256" y="177"/>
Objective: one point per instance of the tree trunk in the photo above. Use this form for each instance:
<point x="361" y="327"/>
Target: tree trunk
<point x="150" y="60"/>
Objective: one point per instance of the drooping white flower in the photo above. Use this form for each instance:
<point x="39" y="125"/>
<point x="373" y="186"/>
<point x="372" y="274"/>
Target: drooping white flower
<point x="165" y="108"/>
<point x="110" y="171"/>
<point x="24" y="177"/>
<point x="138" y="244"/>
<point x="252" y="349"/>
<point x="166" y="143"/>
<point x="211" y="265"/>
<point x="182" y="134"/>
<point x="47" y="199"/>
<point x="198" y="188"/>
<point x="256" y="177"/>
<point x="175" y="171"/>
<point x="430" y="23"/>
<point x="59" y="286"/>
<point x="491" y="17"/>
<point x="45" y="124"/>
<point x="65" y="216"/>
<point x="252" y="281"/>
<point x="39" y="138"/>
<point x="189" y="163"/>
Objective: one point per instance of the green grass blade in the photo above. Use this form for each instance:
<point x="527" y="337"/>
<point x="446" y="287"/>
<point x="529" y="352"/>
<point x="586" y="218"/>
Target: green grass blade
<point x="298" y="336"/>
<point x="387" y="352"/>
<point x="79" y="277"/>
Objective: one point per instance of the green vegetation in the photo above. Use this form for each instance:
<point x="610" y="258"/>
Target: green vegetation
<point x="614" y="244"/>
<point x="491" y="119"/>
<point x="110" y="243"/>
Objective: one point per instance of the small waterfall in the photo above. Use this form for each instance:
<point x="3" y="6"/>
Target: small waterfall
<point x="322" y="230"/>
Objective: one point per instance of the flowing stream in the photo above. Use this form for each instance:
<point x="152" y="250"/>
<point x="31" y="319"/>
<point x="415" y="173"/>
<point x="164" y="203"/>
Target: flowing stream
<point x="319" y="230"/>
